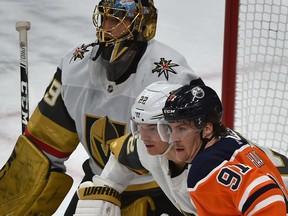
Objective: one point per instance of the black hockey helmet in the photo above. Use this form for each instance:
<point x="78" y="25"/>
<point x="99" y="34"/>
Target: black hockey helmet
<point x="192" y="103"/>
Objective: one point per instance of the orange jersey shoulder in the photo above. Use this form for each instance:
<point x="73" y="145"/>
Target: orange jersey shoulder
<point x="234" y="178"/>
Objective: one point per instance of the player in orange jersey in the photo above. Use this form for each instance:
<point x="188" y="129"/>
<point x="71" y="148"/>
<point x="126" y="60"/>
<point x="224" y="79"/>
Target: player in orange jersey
<point x="227" y="174"/>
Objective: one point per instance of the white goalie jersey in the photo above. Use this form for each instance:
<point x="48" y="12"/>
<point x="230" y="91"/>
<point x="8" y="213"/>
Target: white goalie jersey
<point x="80" y="105"/>
<point x="90" y="98"/>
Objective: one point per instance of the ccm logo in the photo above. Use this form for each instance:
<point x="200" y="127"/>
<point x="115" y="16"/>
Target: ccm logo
<point x="169" y="111"/>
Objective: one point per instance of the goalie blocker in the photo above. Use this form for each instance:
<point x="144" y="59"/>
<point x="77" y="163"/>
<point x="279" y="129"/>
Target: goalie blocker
<point x="33" y="188"/>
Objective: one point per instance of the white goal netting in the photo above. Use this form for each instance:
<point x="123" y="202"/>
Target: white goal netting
<point x="261" y="106"/>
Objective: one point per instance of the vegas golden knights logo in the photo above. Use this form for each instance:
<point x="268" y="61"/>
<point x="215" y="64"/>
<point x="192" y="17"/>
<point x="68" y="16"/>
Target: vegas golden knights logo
<point x="100" y="133"/>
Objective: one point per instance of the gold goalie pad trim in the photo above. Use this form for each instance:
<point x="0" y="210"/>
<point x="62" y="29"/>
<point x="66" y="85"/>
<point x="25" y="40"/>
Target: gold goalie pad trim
<point x="100" y="193"/>
<point x="27" y="185"/>
<point x="139" y="207"/>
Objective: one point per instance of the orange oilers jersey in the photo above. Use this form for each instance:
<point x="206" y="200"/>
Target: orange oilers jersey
<point x="233" y="177"/>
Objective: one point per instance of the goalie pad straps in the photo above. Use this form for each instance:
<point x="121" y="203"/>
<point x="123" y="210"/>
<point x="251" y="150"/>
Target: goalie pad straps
<point x="27" y="185"/>
<point x="100" y="193"/>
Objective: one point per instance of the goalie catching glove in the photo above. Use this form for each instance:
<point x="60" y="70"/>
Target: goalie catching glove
<point x="100" y="197"/>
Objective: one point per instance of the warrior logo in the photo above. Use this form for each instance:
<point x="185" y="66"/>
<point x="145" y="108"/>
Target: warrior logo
<point x="164" y="67"/>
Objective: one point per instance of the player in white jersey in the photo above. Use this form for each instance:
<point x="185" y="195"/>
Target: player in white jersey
<point x="147" y="153"/>
<point x="88" y="101"/>
<point x="136" y="154"/>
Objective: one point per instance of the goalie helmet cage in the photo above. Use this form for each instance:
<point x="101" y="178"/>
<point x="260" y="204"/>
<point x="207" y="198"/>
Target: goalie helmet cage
<point x="255" y="71"/>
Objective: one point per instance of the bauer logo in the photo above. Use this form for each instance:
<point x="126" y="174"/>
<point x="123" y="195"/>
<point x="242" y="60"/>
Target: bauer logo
<point x="126" y="2"/>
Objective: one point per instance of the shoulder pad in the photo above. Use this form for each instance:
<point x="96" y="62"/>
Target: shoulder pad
<point x="125" y="151"/>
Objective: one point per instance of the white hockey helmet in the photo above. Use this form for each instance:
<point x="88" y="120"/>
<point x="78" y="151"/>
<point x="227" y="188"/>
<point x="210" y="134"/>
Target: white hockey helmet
<point x="148" y="105"/>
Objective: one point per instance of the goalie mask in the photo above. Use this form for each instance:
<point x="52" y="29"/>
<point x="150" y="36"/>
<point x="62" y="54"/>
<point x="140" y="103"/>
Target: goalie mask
<point x="148" y="105"/>
<point x="136" y="18"/>
<point x="123" y="28"/>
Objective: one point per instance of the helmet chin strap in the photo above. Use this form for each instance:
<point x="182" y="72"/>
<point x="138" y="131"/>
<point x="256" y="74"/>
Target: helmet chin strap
<point x="171" y="144"/>
<point x="205" y="140"/>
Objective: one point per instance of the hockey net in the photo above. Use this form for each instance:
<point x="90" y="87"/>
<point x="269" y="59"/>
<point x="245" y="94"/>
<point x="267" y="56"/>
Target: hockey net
<point x="255" y="71"/>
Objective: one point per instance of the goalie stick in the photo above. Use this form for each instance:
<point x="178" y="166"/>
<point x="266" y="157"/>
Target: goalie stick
<point x="23" y="27"/>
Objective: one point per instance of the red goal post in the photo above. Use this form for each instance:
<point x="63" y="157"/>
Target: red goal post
<point x="255" y="71"/>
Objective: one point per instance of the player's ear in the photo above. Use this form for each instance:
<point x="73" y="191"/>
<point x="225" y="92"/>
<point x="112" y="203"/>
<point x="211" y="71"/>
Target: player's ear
<point x="208" y="130"/>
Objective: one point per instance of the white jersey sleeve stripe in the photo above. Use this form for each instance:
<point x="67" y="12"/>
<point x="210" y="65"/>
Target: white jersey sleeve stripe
<point x="247" y="192"/>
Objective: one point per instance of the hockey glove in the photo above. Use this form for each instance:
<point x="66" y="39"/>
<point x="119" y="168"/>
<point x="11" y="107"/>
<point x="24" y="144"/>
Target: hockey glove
<point x="100" y="197"/>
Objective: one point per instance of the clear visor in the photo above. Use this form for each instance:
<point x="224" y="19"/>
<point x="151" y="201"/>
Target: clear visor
<point x="164" y="130"/>
<point x="147" y="130"/>
<point x="180" y="132"/>
<point x="135" y="129"/>
<point x="154" y="134"/>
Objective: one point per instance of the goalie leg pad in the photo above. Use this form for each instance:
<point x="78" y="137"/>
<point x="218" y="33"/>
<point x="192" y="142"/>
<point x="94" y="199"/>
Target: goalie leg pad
<point x="139" y="207"/>
<point x="26" y="182"/>
<point x="48" y="201"/>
